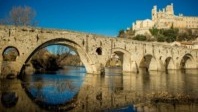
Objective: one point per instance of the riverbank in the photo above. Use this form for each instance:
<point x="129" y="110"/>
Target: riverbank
<point x="179" y="98"/>
<point x="164" y="101"/>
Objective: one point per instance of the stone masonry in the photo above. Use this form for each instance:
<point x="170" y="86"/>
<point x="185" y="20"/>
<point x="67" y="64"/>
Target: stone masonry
<point x="135" y="54"/>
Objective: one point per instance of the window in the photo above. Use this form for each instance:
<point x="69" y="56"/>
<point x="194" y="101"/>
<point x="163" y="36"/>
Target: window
<point x="99" y="51"/>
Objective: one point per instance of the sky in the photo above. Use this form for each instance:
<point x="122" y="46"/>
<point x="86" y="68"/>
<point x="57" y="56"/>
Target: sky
<point x="103" y="17"/>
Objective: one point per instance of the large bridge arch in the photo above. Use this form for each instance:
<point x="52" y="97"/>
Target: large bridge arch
<point x="86" y="60"/>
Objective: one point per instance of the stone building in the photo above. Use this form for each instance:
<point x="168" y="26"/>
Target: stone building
<point x="165" y="18"/>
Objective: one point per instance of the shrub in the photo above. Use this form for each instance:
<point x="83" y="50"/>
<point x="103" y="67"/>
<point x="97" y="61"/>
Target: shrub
<point x="140" y="38"/>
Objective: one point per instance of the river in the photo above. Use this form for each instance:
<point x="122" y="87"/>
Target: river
<point x="72" y="89"/>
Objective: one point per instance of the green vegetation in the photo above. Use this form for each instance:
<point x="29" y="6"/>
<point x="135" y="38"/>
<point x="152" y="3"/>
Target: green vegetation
<point x="164" y="35"/>
<point x="130" y="33"/>
<point x="121" y="34"/>
<point x="43" y="60"/>
<point x="126" y="34"/>
<point x="140" y="38"/>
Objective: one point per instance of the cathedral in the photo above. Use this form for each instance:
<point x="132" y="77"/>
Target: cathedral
<point x="164" y="19"/>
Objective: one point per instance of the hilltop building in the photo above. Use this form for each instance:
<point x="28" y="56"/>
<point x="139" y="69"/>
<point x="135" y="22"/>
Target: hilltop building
<point x="164" y="18"/>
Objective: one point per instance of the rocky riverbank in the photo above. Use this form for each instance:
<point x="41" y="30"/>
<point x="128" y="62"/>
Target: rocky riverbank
<point x="165" y="97"/>
<point x="165" y="101"/>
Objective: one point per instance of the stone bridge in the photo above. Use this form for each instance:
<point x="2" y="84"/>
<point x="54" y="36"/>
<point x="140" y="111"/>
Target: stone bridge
<point x="94" y="50"/>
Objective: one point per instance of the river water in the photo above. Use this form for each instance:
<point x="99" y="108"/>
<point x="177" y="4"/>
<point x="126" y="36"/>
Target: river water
<point x="71" y="89"/>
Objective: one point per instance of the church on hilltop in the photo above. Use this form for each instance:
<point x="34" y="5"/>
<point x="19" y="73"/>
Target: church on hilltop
<point x="164" y="19"/>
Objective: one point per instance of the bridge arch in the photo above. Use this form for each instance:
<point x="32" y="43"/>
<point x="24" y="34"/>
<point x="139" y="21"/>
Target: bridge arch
<point x="86" y="60"/>
<point x="169" y="63"/>
<point x="125" y="58"/>
<point x="10" y="50"/>
<point x="188" y="62"/>
<point x="149" y="62"/>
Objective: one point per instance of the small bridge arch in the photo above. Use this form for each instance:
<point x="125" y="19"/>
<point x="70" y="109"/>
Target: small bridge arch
<point x="149" y="62"/>
<point x="188" y="62"/>
<point x="9" y="49"/>
<point x="125" y="57"/>
<point x="169" y="63"/>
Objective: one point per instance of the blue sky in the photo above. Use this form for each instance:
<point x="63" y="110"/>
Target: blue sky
<point x="105" y="17"/>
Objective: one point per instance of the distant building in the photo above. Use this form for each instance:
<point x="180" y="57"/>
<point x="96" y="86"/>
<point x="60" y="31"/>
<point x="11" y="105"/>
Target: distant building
<point x="190" y="45"/>
<point x="164" y="18"/>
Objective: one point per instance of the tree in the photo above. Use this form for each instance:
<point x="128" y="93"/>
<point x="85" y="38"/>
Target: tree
<point x="162" y="35"/>
<point x="20" y="16"/>
<point x="140" y="38"/>
<point x="170" y="34"/>
<point x="161" y="38"/>
<point x="121" y="34"/>
<point x="154" y="31"/>
<point x="182" y="37"/>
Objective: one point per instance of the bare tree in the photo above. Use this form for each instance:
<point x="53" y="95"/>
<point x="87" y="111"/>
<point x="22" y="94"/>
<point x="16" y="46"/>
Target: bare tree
<point x="22" y="16"/>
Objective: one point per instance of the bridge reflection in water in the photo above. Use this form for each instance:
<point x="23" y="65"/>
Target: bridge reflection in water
<point x="74" y="90"/>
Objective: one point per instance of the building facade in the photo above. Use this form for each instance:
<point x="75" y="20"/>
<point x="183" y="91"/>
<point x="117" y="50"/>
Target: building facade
<point x="163" y="19"/>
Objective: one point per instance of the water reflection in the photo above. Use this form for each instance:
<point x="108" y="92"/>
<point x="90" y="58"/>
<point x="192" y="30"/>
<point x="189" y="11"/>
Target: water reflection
<point x="14" y="98"/>
<point x="55" y="90"/>
<point x="73" y="90"/>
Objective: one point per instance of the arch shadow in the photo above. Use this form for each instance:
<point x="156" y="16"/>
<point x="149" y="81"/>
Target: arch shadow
<point x="150" y="63"/>
<point x="187" y="62"/>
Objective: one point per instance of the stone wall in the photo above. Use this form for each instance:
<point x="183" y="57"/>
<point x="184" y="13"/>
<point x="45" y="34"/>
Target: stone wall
<point x="94" y="50"/>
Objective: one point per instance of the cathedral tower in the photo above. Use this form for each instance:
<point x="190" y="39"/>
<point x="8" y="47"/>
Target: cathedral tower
<point x="154" y="13"/>
<point x="170" y="10"/>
